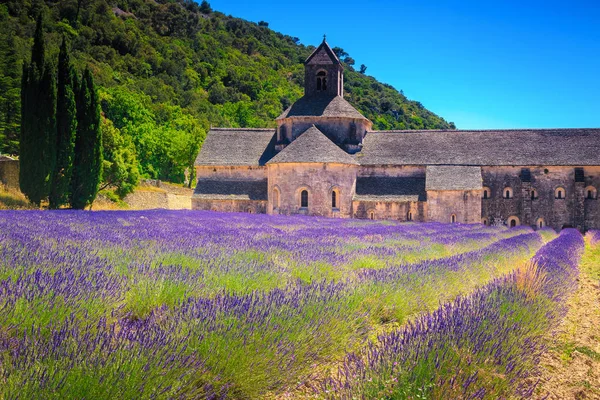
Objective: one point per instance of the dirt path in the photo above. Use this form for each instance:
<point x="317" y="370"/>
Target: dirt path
<point x="571" y="369"/>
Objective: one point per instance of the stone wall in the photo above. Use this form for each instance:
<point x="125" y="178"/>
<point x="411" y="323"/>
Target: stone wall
<point x="170" y="197"/>
<point x="320" y="180"/>
<point x="391" y="210"/>
<point x="9" y="172"/>
<point x="465" y="205"/>
<point x="245" y="206"/>
<point x="574" y="209"/>
<point x="142" y="200"/>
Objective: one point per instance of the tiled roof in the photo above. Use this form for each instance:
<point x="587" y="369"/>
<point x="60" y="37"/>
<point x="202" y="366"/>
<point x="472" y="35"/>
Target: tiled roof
<point x="321" y="106"/>
<point x="443" y="177"/>
<point x="496" y="147"/>
<point x="312" y="146"/>
<point x="390" y="189"/>
<point x="237" y="147"/>
<point x="213" y="189"/>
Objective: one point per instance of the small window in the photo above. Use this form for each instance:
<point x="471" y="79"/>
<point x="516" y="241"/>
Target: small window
<point x="534" y="194"/>
<point x="590" y="193"/>
<point x="335" y="199"/>
<point x="409" y="216"/>
<point x="304" y="199"/>
<point x="249" y="210"/>
<point x="321" y="81"/>
<point x="508" y="193"/>
<point x="275" y="198"/>
<point x="372" y="215"/>
<point x="513" y="222"/>
<point x="540" y="223"/>
<point x="487" y="193"/>
<point x="559" y="193"/>
<point x="485" y="221"/>
<point x="453" y="218"/>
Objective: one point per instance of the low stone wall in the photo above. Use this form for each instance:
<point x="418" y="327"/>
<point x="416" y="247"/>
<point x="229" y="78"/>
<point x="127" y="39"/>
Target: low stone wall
<point x="9" y="172"/>
<point x="245" y="206"/>
<point x="145" y="200"/>
<point x="390" y="210"/>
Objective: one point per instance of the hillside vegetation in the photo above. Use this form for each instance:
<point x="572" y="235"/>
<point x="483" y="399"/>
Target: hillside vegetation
<point x="169" y="69"/>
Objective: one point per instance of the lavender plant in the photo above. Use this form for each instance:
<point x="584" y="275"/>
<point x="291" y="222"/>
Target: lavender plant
<point x="162" y="304"/>
<point x="483" y="345"/>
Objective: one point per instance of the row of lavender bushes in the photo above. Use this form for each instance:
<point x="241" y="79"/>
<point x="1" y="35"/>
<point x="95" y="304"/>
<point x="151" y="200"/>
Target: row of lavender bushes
<point x="484" y="345"/>
<point x="207" y="305"/>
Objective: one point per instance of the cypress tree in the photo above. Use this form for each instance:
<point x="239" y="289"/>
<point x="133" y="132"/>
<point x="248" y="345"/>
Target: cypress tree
<point x="87" y="165"/>
<point x="38" y="132"/>
<point x="66" y="127"/>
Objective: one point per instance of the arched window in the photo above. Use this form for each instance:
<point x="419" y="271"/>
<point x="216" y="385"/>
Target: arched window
<point x="534" y="194"/>
<point x="249" y="210"/>
<point x="372" y="215"/>
<point x="559" y="193"/>
<point x="512" y="221"/>
<point x="275" y="198"/>
<point x="322" y="81"/>
<point x="409" y="216"/>
<point x="334" y="199"/>
<point x="507" y="193"/>
<point x="453" y="218"/>
<point x="485" y="221"/>
<point x="590" y="193"/>
<point x="487" y="193"/>
<point x="540" y="223"/>
<point x="304" y="199"/>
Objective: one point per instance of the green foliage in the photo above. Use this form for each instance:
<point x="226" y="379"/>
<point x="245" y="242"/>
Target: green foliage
<point x="66" y="128"/>
<point x="120" y="165"/>
<point x="186" y="68"/>
<point x="38" y="130"/>
<point x="10" y="101"/>
<point x="87" y="163"/>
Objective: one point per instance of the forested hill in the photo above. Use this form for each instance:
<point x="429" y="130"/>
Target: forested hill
<point x="169" y="69"/>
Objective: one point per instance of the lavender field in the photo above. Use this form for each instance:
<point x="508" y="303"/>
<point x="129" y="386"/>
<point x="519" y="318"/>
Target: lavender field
<point x="165" y="304"/>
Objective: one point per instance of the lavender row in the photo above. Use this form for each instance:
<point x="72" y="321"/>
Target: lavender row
<point x="480" y="346"/>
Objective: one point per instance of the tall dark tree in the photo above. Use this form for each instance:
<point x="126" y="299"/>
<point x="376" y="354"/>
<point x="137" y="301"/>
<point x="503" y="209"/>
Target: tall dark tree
<point x="10" y="92"/>
<point x="87" y="163"/>
<point x="66" y="128"/>
<point x="38" y="127"/>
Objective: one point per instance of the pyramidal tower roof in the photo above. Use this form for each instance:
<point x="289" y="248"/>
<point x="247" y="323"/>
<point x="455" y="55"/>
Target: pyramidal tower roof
<point x="312" y="146"/>
<point x="323" y="55"/>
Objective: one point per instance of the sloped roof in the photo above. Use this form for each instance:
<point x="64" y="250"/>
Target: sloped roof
<point x="213" y="189"/>
<point x="495" y="147"/>
<point x="237" y="147"/>
<point x="390" y="189"/>
<point x="312" y="146"/>
<point x="445" y="177"/>
<point x="323" y="55"/>
<point x="322" y="106"/>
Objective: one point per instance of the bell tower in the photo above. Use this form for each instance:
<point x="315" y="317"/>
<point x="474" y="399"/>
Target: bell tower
<point x="323" y="73"/>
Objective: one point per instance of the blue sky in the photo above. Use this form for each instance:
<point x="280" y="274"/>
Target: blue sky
<point x="481" y="64"/>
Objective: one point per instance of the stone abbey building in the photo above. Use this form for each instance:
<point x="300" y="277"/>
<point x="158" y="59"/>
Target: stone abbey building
<point x="324" y="159"/>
